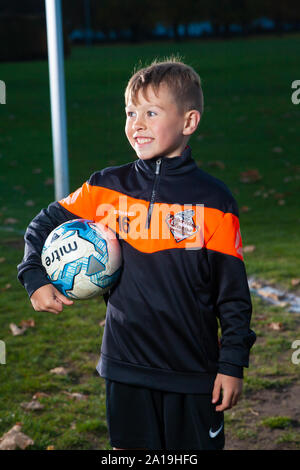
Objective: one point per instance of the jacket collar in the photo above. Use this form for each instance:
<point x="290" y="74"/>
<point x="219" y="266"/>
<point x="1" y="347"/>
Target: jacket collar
<point x="180" y="164"/>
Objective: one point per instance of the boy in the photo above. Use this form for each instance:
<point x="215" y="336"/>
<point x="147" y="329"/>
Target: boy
<point x="168" y="379"/>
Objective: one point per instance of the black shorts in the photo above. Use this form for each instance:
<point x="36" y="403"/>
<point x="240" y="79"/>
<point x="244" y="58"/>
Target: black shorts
<point x="143" y="418"/>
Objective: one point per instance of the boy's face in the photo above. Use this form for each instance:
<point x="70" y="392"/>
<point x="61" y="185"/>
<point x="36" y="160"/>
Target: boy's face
<point x="154" y="126"/>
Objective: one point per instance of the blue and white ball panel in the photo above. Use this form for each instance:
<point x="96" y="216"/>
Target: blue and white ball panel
<point x="81" y="260"/>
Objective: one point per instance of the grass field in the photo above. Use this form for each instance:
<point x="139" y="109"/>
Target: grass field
<point x="249" y="123"/>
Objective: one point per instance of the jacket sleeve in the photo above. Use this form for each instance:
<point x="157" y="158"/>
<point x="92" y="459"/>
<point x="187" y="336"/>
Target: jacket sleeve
<point x="79" y="204"/>
<point x="31" y="272"/>
<point x="231" y="295"/>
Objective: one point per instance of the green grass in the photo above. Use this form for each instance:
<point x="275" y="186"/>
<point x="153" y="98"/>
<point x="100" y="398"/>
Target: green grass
<point x="277" y="422"/>
<point x="248" y="113"/>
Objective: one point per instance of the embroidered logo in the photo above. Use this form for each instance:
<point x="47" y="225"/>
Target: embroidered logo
<point x="238" y="243"/>
<point x="182" y="224"/>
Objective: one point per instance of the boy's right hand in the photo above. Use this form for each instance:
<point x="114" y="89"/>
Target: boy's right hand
<point x="48" y="299"/>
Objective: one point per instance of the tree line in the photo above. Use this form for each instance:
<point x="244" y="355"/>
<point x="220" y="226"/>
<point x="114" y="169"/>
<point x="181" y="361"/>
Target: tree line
<point x="140" y="17"/>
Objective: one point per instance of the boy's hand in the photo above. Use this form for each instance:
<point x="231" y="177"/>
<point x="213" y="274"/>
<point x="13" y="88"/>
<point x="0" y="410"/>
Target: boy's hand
<point x="48" y="299"/>
<point x="232" y="389"/>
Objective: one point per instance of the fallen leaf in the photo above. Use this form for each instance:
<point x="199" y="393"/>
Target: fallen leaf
<point x="10" y="221"/>
<point x="102" y="323"/>
<point x="48" y="181"/>
<point x="295" y="282"/>
<point x="14" y="439"/>
<point x="16" y="331"/>
<point x="272" y="295"/>
<point x="281" y="202"/>
<point x="250" y="176"/>
<point x="217" y="164"/>
<point x="256" y="285"/>
<point x="260" y="317"/>
<point x="249" y="248"/>
<point x="59" y="371"/>
<point x="29" y="203"/>
<point x="245" y="209"/>
<point x="255" y="413"/>
<point x="50" y="448"/>
<point x="33" y="405"/>
<point x="277" y="326"/>
<point x="24" y="324"/>
<point x="36" y="171"/>
<point x="7" y="286"/>
<point x="265" y="293"/>
<point x="279" y="195"/>
<point x="2" y="260"/>
<point x="277" y="149"/>
<point x="40" y="395"/>
<point x="27" y="323"/>
<point x="77" y="396"/>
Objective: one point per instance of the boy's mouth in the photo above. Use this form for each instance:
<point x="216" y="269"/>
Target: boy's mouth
<point x="143" y="140"/>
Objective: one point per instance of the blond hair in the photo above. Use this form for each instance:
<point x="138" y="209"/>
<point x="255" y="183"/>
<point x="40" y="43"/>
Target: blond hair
<point x="181" y="79"/>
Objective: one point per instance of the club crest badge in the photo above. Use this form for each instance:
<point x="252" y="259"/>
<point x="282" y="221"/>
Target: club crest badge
<point x="182" y="224"/>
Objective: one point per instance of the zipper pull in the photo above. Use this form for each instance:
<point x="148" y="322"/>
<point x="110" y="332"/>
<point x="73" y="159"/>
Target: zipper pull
<point x="158" y="163"/>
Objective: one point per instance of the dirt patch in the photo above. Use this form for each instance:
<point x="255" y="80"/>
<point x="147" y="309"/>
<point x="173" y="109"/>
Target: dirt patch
<point x="245" y="431"/>
<point x="15" y="243"/>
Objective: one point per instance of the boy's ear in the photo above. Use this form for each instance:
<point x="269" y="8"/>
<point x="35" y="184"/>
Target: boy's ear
<point x="192" y="119"/>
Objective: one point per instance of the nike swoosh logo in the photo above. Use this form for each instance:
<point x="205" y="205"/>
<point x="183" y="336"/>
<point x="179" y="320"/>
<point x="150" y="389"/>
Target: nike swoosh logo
<point x="213" y="434"/>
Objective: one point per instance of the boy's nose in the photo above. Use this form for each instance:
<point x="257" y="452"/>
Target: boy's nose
<point x="139" y="123"/>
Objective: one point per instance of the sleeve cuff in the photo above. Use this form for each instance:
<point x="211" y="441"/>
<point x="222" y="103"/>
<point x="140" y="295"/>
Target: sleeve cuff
<point x="33" y="279"/>
<point x="231" y="369"/>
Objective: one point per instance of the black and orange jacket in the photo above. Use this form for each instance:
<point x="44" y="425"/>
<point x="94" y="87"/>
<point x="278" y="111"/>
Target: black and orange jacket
<point x="182" y="270"/>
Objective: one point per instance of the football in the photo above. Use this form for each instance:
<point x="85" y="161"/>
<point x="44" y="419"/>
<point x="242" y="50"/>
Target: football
<point x="82" y="258"/>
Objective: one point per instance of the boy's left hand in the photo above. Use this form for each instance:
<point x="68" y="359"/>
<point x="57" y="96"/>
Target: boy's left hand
<point x="232" y="389"/>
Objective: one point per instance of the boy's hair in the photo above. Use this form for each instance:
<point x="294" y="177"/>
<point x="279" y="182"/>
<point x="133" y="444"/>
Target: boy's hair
<point x="181" y="79"/>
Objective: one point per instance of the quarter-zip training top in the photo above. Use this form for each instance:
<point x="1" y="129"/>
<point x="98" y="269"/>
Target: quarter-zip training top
<point x="183" y="271"/>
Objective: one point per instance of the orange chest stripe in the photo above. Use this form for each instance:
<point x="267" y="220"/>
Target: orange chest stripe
<point x="172" y="225"/>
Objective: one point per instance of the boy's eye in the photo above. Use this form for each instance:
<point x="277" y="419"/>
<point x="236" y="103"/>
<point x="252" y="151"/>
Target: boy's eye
<point x="151" y="113"/>
<point x="130" y="113"/>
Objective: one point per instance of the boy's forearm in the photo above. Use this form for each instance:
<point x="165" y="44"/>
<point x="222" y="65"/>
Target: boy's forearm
<point x="231" y="370"/>
<point x="31" y="272"/>
<point x="33" y="279"/>
<point x="234" y="309"/>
